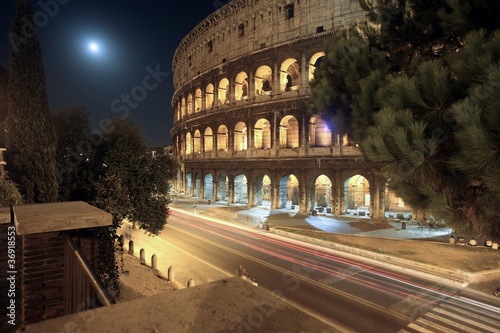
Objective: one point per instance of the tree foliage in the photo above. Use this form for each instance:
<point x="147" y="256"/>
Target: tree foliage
<point x="10" y="193"/>
<point x="425" y="108"/>
<point x="30" y="133"/>
<point x="74" y="151"/>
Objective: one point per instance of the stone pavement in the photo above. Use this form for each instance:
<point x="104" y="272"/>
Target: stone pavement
<point x="346" y="224"/>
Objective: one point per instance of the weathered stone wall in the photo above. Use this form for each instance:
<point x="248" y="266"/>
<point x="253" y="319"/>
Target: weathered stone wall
<point x="243" y="27"/>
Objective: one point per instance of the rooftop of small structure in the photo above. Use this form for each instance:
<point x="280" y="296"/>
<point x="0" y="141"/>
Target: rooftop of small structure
<point x="56" y="216"/>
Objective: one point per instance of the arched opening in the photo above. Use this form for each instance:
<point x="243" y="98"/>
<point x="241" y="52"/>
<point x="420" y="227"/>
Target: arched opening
<point x="189" y="105"/>
<point x="357" y="195"/>
<point x="240" y="136"/>
<point x="222" y="138"/>
<point x="183" y="107"/>
<point x="289" y="75"/>
<point x="262" y="134"/>
<point x="223" y="92"/>
<point x="208" y="140"/>
<point x="263" y="80"/>
<point x="197" y="100"/>
<point x="241" y="86"/>
<point x="189" y="183"/>
<point x="314" y="63"/>
<point x="189" y="144"/>
<point x="197" y="142"/>
<point x="209" y="96"/>
<point x="289" y="192"/>
<point x="209" y="187"/>
<point x="222" y="186"/>
<point x="240" y="190"/>
<point x="262" y="191"/>
<point x="289" y="132"/>
<point x="320" y="193"/>
<point x="322" y="133"/>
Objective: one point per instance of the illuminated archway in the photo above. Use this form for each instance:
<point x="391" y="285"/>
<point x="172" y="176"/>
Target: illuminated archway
<point x="241" y="86"/>
<point x="240" y="136"/>
<point x="320" y="194"/>
<point x="208" y="140"/>
<point x="223" y="92"/>
<point x="222" y="138"/>
<point x="289" y="192"/>
<point x="262" y="134"/>
<point x="357" y="195"/>
<point x="240" y="189"/>
<point x="263" y="80"/>
<point x="289" y="75"/>
<point x="289" y="132"/>
<point x="262" y="191"/>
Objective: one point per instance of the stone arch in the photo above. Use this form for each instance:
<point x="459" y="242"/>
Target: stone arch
<point x="289" y="132"/>
<point x="263" y="80"/>
<point x="189" y="104"/>
<point x="208" y="140"/>
<point x="197" y="100"/>
<point x="262" y="134"/>
<point x="222" y="138"/>
<point x="289" y="75"/>
<point x="289" y="192"/>
<point x="209" y="96"/>
<point x="197" y="185"/>
<point x="222" y="187"/>
<point x="189" y="145"/>
<point x="197" y="142"/>
<point x="208" y="186"/>
<point x="241" y="86"/>
<point x="178" y="110"/>
<point x="314" y="63"/>
<point x="223" y="91"/>
<point x="357" y="195"/>
<point x="240" y="136"/>
<point x="320" y="134"/>
<point x="183" y="107"/>
<point x="262" y="191"/>
<point x="189" y="183"/>
<point x="320" y="194"/>
<point x="240" y="189"/>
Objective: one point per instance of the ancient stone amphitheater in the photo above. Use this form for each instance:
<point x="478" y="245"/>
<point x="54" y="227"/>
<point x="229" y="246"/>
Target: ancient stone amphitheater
<point x="242" y="132"/>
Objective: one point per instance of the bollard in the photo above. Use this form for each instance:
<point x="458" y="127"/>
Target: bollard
<point x="190" y="283"/>
<point x="122" y="241"/>
<point x="142" y="255"/>
<point x="131" y="247"/>
<point x="171" y="275"/>
<point x="153" y="261"/>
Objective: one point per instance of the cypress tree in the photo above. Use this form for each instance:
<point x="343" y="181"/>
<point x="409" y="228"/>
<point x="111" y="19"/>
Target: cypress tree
<point x="31" y="144"/>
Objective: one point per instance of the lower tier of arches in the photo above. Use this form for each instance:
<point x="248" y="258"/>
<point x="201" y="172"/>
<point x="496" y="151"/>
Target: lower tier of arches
<point x="331" y="185"/>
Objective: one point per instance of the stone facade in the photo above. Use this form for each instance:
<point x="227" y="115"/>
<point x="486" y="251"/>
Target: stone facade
<point x="241" y="130"/>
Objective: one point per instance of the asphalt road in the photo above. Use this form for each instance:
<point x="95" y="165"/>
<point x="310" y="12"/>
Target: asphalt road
<point x="350" y="295"/>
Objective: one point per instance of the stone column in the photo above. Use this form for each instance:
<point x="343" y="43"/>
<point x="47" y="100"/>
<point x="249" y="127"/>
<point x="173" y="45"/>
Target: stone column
<point x="202" y="185"/>
<point x="230" y="190"/>
<point x="251" y="194"/>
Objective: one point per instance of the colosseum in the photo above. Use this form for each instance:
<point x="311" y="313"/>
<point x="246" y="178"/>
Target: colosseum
<point x="242" y="131"/>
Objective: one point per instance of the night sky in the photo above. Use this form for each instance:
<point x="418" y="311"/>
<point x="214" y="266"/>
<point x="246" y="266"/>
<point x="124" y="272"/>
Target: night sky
<point x="135" y="39"/>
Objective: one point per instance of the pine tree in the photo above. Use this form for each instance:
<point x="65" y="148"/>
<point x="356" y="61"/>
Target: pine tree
<point x="429" y="122"/>
<point x="30" y="133"/>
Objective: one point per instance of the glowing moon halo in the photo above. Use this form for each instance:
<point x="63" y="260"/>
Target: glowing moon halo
<point x="94" y="47"/>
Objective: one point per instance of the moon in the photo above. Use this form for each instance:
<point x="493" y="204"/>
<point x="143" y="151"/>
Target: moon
<point x="94" y="47"/>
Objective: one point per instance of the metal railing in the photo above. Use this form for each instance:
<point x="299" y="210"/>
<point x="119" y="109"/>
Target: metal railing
<point x="83" y="288"/>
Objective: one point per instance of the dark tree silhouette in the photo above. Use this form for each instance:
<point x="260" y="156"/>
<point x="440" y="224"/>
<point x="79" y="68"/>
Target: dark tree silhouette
<point x="30" y="137"/>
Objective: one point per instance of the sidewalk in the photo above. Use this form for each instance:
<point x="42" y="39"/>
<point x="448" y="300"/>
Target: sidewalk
<point x="345" y="224"/>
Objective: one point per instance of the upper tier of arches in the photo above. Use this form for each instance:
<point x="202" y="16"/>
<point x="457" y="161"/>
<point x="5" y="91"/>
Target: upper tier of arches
<point x="261" y="81"/>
